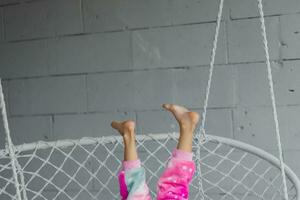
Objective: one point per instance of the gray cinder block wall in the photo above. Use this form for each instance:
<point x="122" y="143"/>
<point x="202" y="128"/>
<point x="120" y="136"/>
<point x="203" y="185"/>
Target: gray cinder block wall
<point x="71" y="66"/>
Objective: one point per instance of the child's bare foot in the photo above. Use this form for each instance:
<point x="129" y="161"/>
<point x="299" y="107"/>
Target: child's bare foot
<point x="125" y="128"/>
<point x="186" y="119"/>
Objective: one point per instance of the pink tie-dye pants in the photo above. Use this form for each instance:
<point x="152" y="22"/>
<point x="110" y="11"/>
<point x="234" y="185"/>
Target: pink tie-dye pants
<point x="172" y="184"/>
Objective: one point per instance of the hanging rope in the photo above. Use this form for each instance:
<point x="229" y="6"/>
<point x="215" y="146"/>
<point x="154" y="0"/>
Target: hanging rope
<point x="200" y="135"/>
<point x="9" y="145"/>
<point x="211" y="68"/>
<point x="272" y="95"/>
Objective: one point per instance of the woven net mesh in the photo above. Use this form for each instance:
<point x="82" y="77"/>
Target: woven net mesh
<point x="87" y="169"/>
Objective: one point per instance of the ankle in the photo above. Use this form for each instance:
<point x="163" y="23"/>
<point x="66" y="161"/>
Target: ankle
<point x="187" y="128"/>
<point x="129" y="136"/>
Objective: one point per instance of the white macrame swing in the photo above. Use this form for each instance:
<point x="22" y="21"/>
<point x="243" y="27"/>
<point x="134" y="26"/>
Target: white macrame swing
<point x="87" y="168"/>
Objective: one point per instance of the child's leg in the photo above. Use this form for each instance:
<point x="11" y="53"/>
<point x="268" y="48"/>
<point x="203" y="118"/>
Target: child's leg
<point x="174" y="182"/>
<point x="126" y="130"/>
<point x="132" y="176"/>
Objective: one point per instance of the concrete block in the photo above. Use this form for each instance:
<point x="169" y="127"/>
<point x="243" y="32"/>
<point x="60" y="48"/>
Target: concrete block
<point x="155" y="122"/>
<point x="289" y="127"/>
<point x="30" y="129"/>
<point x="191" y="87"/>
<point x="47" y="95"/>
<point x="90" y="53"/>
<point x="9" y="2"/>
<point x="290" y="30"/>
<point x="149" y="89"/>
<point x="87" y="125"/>
<point x="176" y="46"/>
<point x="252" y="84"/>
<point x="255" y="126"/>
<point x="117" y="15"/>
<point x="292" y="161"/>
<point x="246" y="8"/>
<point x="110" y="91"/>
<point x="42" y="19"/>
<point x="129" y="90"/>
<point x="142" y="90"/>
<point x="287" y="83"/>
<point x="184" y="12"/>
<point x="219" y="122"/>
<point x="253" y="88"/>
<point x="104" y="15"/>
<point x="245" y="40"/>
<point x="24" y="59"/>
<point x="153" y="88"/>
<point x="1" y="25"/>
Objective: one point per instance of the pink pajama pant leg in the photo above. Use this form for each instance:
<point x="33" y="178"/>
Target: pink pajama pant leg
<point x="132" y="181"/>
<point x="175" y="180"/>
<point x="173" y="183"/>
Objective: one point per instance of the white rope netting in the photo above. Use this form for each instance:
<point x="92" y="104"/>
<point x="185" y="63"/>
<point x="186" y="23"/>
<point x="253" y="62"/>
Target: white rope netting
<point x="87" y="169"/>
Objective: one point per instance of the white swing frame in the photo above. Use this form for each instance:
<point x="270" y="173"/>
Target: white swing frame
<point x="159" y="136"/>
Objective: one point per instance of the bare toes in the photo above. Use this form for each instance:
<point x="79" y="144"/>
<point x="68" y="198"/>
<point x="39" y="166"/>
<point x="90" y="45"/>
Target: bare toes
<point x="115" y="124"/>
<point x="184" y="117"/>
<point x="124" y="127"/>
<point x="175" y="109"/>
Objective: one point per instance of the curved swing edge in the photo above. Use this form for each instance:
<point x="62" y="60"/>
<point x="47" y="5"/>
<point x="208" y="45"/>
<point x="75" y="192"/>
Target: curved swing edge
<point x="159" y="136"/>
<point x="262" y="154"/>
